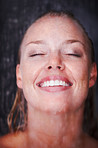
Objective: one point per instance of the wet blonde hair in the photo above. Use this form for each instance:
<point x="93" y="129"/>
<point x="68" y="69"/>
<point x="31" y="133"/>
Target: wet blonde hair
<point x="19" y="108"/>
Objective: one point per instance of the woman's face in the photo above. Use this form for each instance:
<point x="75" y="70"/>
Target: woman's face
<point x="55" y="71"/>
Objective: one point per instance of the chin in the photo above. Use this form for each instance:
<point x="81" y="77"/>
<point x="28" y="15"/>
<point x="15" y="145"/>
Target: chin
<point x="54" y="108"/>
<point x="56" y="104"/>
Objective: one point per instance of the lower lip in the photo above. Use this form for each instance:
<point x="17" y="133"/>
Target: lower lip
<point x="55" y="88"/>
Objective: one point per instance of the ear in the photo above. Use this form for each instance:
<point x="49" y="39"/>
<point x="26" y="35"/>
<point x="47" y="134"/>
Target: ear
<point x="18" y="76"/>
<point x="93" y="75"/>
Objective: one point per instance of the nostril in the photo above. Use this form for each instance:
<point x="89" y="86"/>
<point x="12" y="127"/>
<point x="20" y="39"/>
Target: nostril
<point x="49" y="67"/>
<point x="59" y="67"/>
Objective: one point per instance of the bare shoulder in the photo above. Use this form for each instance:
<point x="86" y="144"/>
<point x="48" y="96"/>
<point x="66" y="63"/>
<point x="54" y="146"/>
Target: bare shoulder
<point x="15" y="140"/>
<point x="90" y="142"/>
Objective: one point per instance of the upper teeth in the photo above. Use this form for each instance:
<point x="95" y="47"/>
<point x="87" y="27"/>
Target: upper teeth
<point x="54" y="83"/>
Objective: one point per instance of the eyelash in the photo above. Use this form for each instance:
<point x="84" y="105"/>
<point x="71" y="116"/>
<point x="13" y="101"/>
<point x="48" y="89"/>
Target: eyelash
<point x="40" y="54"/>
<point x="76" y="55"/>
<point x="36" y="54"/>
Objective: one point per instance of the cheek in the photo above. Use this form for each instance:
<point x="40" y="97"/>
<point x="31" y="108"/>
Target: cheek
<point x="80" y="74"/>
<point x="30" y="71"/>
<point x="80" y="71"/>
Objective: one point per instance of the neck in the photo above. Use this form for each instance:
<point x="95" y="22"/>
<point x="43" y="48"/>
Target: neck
<point x="59" y="130"/>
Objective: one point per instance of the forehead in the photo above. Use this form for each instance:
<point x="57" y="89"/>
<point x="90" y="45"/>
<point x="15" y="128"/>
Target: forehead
<point x="55" y="28"/>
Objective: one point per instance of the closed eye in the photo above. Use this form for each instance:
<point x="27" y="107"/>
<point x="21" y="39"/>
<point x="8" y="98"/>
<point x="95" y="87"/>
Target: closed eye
<point x="36" y="54"/>
<point x="76" y="55"/>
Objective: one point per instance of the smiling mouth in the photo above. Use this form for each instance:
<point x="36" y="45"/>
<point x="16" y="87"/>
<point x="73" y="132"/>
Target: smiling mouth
<point x="54" y="83"/>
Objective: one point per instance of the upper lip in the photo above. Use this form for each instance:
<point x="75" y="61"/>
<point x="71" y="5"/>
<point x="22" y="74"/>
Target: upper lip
<point x="54" y="77"/>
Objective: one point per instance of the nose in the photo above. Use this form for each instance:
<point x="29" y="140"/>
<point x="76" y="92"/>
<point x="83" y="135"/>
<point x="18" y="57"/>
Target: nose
<point x="55" y="62"/>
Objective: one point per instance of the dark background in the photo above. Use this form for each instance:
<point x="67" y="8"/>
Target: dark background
<point x="15" y="17"/>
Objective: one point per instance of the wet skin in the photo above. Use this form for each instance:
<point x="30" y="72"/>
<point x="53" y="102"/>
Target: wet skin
<point x="55" y="49"/>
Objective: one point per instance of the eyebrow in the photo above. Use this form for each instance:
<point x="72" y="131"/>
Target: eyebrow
<point x="73" y="41"/>
<point x="37" y="42"/>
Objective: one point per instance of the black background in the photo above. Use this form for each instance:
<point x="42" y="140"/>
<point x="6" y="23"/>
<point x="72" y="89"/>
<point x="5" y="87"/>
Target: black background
<point x="15" y="16"/>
